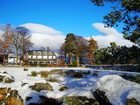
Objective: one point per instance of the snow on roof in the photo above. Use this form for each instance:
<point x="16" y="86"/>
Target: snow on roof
<point x="117" y="89"/>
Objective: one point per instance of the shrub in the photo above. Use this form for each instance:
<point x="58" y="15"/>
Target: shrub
<point x="72" y="65"/>
<point x="43" y="65"/>
<point x="53" y="80"/>
<point x="57" y="71"/>
<point x="34" y="73"/>
<point x="44" y="74"/>
<point x="33" y="64"/>
<point x="77" y="75"/>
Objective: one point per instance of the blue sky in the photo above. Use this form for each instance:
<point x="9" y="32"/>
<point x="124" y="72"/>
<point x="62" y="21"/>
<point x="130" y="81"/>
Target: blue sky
<point x="76" y="16"/>
<point x="50" y="20"/>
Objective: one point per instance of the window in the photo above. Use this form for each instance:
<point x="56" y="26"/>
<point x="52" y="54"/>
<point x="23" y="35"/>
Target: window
<point x="39" y="57"/>
<point x="54" y="57"/>
<point x="34" y="57"/>
<point x="45" y="57"/>
<point x="50" y="57"/>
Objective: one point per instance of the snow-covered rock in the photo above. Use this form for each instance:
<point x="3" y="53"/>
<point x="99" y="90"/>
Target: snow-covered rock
<point x="117" y="89"/>
<point x="9" y="97"/>
<point x="6" y="78"/>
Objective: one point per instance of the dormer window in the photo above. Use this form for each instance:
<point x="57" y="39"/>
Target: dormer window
<point x="34" y="53"/>
<point x="39" y="52"/>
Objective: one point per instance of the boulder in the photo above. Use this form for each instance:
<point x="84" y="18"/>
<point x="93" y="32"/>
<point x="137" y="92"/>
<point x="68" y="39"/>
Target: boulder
<point x="47" y="101"/>
<point x="4" y="77"/>
<point x="79" y="100"/>
<point x="9" y="97"/>
<point x="63" y="88"/>
<point x="132" y="102"/>
<point x="8" y="80"/>
<point x="101" y="98"/>
<point x="1" y="78"/>
<point x="41" y="86"/>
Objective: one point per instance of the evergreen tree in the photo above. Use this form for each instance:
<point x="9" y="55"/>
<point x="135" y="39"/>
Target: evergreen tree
<point x="74" y="47"/>
<point x="126" y="12"/>
<point x="70" y="46"/>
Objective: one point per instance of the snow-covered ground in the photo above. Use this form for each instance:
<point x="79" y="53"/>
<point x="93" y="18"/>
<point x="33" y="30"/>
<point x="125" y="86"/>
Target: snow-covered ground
<point x="117" y="89"/>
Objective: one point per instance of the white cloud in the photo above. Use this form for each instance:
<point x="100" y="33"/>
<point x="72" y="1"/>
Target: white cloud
<point x="109" y="35"/>
<point x="44" y="36"/>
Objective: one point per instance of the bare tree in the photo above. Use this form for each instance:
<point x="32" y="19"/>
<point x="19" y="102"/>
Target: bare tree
<point x="6" y="41"/>
<point x="21" y="41"/>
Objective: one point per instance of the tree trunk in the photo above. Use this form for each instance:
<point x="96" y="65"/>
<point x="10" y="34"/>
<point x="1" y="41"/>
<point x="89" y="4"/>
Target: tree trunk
<point x="16" y="55"/>
<point x="77" y="60"/>
<point x="70" y="58"/>
<point x="4" y="57"/>
<point x="23" y="49"/>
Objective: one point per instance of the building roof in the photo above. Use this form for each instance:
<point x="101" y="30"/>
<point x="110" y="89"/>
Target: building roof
<point x="41" y="52"/>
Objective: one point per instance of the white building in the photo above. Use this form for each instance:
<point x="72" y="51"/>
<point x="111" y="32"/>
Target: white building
<point x="12" y="59"/>
<point x="42" y="57"/>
